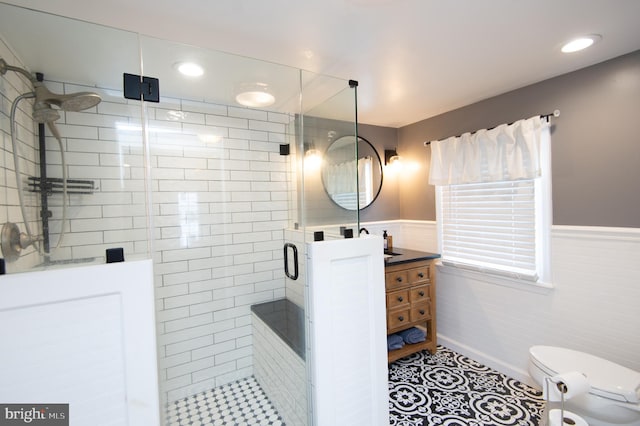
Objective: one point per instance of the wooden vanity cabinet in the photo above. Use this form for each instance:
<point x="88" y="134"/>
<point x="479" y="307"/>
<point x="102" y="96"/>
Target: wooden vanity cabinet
<point x="411" y="302"/>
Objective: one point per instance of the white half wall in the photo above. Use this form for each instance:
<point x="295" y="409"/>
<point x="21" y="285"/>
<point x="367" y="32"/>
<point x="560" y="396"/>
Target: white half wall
<point x="85" y="337"/>
<point x="347" y="333"/>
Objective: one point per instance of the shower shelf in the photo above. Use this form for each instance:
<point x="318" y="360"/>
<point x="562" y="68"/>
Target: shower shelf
<point x="55" y="186"/>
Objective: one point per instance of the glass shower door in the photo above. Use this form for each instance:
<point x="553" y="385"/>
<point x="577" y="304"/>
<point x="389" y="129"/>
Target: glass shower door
<point x="231" y="217"/>
<point x="220" y="190"/>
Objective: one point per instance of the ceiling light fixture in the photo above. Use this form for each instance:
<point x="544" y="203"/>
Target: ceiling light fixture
<point x="190" y="69"/>
<point x="581" y="43"/>
<point x="255" y="95"/>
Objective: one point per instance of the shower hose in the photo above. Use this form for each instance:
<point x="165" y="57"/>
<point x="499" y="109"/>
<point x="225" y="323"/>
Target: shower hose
<point x="16" y="161"/>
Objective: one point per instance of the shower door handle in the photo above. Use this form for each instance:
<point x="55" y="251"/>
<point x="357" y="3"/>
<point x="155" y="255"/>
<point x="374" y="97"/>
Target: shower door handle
<point x="293" y="248"/>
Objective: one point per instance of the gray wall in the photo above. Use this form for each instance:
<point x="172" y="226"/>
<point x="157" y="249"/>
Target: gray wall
<point x="386" y="206"/>
<point x="595" y="144"/>
<point x="320" y="209"/>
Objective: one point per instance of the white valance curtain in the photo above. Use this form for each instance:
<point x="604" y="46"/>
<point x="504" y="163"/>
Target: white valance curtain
<point x="504" y="153"/>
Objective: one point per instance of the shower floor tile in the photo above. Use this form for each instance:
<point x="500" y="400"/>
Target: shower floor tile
<point x="450" y="389"/>
<point x="239" y="403"/>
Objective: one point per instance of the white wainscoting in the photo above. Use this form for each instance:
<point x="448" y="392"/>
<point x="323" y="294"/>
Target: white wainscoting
<point x="594" y="305"/>
<point x="409" y="234"/>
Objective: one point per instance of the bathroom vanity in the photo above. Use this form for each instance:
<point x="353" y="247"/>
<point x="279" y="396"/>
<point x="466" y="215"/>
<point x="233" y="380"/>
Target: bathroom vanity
<point x="411" y="297"/>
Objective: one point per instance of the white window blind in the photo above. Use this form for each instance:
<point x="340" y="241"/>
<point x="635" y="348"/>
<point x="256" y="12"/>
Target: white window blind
<point x="490" y="226"/>
<point x="493" y="190"/>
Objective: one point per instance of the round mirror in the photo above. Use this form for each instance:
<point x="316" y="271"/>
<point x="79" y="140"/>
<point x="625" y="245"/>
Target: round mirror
<point x="339" y="170"/>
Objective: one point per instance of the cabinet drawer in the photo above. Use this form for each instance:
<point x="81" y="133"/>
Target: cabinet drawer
<point x="420" y="294"/>
<point x="396" y="279"/>
<point x="397" y="298"/>
<point x="418" y="275"/>
<point x="398" y="318"/>
<point x="420" y="312"/>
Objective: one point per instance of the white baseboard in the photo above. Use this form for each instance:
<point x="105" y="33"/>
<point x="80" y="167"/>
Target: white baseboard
<point x="487" y="360"/>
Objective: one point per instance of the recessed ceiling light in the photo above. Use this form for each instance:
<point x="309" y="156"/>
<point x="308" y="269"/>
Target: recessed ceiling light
<point x="255" y="95"/>
<point x="580" y="43"/>
<point x="190" y="69"/>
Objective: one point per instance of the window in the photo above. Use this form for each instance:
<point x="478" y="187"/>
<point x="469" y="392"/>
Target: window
<point x="499" y="227"/>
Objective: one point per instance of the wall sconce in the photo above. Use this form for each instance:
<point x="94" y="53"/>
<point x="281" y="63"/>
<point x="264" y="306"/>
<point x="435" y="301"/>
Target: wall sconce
<point x="312" y="157"/>
<point x="391" y="157"/>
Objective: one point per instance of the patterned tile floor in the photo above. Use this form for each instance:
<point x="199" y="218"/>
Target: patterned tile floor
<point x="239" y="403"/>
<point x="450" y="389"/>
<point x="443" y="389"/>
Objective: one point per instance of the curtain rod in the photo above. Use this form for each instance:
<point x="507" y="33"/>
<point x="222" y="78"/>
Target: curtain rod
<point x="555" y="113"/>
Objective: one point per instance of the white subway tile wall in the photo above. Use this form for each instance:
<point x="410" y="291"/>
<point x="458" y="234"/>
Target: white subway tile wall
<point x="11" y="86"/>
<point x="103" y="145"/>
<point x="220" y="201"/>
<point x="281" y="373"/>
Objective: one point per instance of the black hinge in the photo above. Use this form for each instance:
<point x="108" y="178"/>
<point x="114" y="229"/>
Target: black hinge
<point x="141" y="88"/>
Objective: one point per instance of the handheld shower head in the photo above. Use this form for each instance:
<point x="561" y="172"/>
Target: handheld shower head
<point x="72" y="102"/>
<point x="79" y="101"/>
<point x="43" y="112"/>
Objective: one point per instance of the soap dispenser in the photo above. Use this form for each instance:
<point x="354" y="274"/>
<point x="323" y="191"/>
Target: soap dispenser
<point x="386" y="241"/>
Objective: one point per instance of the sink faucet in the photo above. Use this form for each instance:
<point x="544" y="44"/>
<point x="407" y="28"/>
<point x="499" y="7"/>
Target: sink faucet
<point x="363" y="229"/>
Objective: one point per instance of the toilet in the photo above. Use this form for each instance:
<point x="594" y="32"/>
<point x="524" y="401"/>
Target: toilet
<point x="614" y="398"/>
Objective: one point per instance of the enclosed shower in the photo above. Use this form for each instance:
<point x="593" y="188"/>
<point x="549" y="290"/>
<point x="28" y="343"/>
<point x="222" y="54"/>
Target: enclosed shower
<point x="12" y="240"/>
<point x="213" y="192"/>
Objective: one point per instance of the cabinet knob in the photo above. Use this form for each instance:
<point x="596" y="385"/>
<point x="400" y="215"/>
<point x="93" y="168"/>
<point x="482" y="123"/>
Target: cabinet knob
<point x="421" y="311"/>
<point x="400" y="318"/>
<point x="421" y="274"/>
<point x="399" y="279"/>
<point x="400" y="299"/>
<point x="421" y="293"/>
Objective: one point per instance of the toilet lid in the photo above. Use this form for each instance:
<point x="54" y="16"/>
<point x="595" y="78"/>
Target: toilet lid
<point x="606" y="378"/>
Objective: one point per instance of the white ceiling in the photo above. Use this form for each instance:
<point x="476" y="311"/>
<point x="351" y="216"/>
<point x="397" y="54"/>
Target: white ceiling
<point x="413" y="59"/>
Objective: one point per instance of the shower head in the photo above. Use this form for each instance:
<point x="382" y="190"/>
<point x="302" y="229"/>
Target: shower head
<point x="80" y="101"/>
<point x="43" y="111"/>
<point x="72" y="102"/>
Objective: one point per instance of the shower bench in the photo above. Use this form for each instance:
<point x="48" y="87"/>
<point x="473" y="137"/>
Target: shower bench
<point x="279" y="357"/>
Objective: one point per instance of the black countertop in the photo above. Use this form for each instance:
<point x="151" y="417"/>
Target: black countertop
<point x="400" y="256"/>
